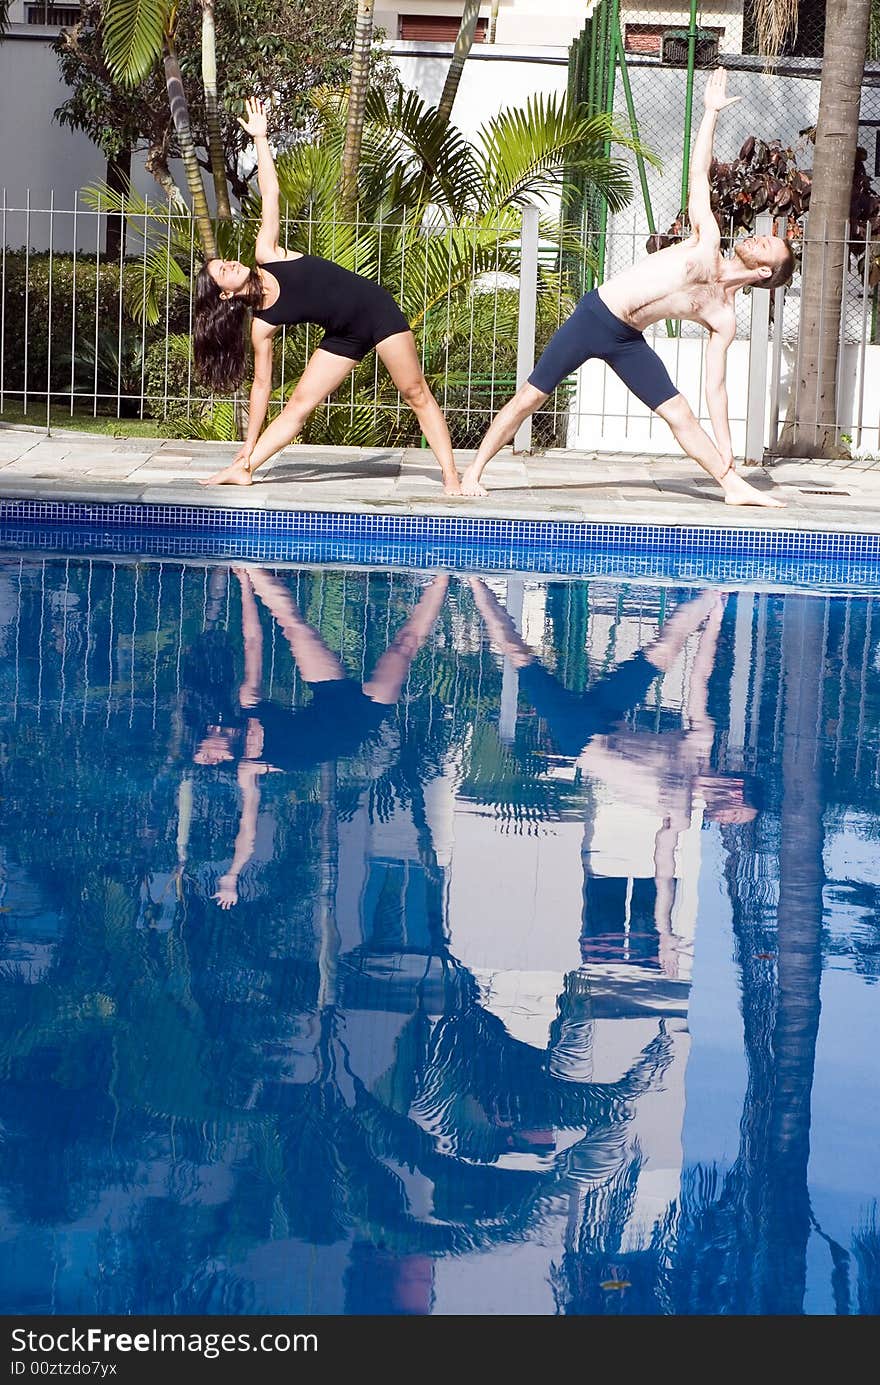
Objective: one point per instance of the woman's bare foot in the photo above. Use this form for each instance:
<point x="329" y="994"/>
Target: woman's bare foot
<point x="470" y="485"/>
<point x="737" y="491"/>
<point x="236" y="474"/>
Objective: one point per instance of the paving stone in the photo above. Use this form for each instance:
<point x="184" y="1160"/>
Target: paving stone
<point x="663" y="489"/>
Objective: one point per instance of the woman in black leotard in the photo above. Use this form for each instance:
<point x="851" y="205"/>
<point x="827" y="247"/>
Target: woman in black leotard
<point x="286" y="288"/>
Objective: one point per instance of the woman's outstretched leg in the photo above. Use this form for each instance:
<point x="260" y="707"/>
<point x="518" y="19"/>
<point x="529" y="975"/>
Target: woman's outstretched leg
<point x="323" y="374"/>
<point x="399" y="356"/>
<point x="500" y="626"/>
<point x="662" y="652"/>
<point x="316" y="663"/>
<point x="252" y="633"/>
<point x="393" y="666"/>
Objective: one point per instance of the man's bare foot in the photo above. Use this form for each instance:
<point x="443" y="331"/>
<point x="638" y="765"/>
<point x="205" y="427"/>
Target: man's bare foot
<point x="236" y="474"/>
<point x="737" y="491"/>
<point x="452" y="485"/>
<point x="470" y="485"/>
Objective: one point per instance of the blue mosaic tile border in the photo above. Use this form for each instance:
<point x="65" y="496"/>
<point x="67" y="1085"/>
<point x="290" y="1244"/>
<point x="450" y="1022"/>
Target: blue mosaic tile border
<point x="563" y="548"/>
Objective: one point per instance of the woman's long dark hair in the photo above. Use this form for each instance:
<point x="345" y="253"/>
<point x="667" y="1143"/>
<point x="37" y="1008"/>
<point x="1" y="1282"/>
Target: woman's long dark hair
<point x="219" y="344"/>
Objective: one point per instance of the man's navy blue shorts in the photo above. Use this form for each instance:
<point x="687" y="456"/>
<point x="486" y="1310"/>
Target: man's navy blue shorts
<point x="594" y="330"/>
<point x="573" y="718"/>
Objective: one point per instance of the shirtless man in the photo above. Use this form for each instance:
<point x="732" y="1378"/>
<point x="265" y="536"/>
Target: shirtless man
<point x="690" y="281"/>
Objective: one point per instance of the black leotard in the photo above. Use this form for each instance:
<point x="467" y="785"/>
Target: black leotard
<point x="355" y="312"/>
<point x="338" y="721"/>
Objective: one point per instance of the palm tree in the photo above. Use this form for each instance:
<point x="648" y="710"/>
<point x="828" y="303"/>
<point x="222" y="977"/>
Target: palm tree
<point x="357" y="97"/>
<point x="463" y="43"/>
<point x="212" y="112"/>
<point x="825" y="246"/>
<point x="135" y="36"/>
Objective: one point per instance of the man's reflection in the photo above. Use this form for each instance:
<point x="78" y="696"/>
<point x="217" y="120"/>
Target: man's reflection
<point x="664" y="775"/>
<point x="342" y="716"/>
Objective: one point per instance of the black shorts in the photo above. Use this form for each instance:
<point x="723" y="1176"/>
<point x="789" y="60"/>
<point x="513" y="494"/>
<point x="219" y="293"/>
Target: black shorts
<point x="382" y="318"/>
<point x="593" y="330"/>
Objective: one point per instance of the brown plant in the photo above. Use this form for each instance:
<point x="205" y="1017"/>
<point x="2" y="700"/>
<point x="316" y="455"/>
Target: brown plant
<point x="765" y="177"/>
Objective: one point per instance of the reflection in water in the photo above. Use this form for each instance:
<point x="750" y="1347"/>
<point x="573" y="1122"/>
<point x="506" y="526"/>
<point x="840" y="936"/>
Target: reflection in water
<point x="353" y="923"/>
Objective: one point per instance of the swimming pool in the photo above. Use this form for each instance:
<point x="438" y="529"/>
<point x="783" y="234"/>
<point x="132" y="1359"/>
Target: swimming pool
<point x="394" y="942"/>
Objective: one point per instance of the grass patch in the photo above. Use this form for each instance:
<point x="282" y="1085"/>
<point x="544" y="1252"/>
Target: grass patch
<point x="13" y="414"/>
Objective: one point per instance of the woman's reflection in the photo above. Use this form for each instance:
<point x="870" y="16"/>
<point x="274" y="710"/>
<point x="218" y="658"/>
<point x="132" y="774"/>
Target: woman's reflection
<point x="341" y="717"/>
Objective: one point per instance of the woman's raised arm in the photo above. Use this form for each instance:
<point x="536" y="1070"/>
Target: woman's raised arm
<point x="256" y="125"/>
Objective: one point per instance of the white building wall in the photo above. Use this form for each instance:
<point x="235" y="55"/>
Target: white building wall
<point x="713" y="14"/>
<point x="494" y="77"/>
<point x="522" y="22"/>
<point x="36" y="152"/>
<point x="42" y="161"/>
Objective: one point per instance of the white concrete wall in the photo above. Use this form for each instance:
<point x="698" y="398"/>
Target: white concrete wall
<point x="494" y="77"/>
<point x="36" y="152"/>
<point x="528" y="22"/>
<point x="41" y="157"/>
<point x="712" y="14"/>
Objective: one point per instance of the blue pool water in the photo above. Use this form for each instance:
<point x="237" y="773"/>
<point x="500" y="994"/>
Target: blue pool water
<point x="380" y="942"/>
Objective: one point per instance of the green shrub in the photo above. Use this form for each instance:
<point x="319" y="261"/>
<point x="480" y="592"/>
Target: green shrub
<point x="168" y="380"/>
<point x="84" y="296"/>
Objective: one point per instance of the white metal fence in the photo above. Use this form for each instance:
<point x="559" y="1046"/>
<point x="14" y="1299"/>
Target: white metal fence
<point x="106" y="333"/>
<point x="763" y="382"/>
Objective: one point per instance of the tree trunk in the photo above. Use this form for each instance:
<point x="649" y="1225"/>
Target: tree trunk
<point x="180" y="116"/>
<point x="156" y="164"/>
<point x="811" y="428"/>
<point x="493" y="20"/>
<point x="463" y="45"/>
<point x="357" y="100"/>
<point x="119" y="179"/>
<point x="212" y="111"/>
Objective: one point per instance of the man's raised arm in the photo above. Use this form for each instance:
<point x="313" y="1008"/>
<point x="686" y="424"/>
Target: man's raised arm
<point x="700" y="214"/>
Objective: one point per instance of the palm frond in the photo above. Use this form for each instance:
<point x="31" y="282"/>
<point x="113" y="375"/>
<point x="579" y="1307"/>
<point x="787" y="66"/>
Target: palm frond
<point x="161" y="238"/>
<point x="774" y="21"/>
<point x="525" y="152"/>
<point x="307" y="179"/>
<point x="133" y="32"/>
<point x="430" y="158"/>
<point x="215" y="423"/>
<point x="150" y="282"/>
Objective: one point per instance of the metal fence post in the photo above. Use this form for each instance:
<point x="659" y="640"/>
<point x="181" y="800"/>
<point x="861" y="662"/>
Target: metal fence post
<point x="528" y="311"/>
<point x="759" y="331"/>
<point x="776" y="365"/>
<point x="49" y="317"/>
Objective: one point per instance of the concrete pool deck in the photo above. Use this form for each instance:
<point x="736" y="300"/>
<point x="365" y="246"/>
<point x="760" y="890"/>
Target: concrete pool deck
<point x="841" y="496"/>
